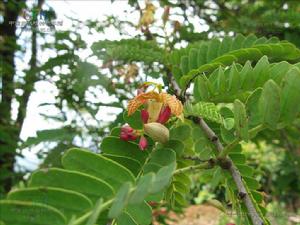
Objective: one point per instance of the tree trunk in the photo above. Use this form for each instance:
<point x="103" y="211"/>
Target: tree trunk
<point x="9" y="130"/>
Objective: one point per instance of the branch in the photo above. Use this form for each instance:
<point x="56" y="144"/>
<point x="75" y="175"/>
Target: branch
<point x="243" y="194"/>
<point x="173" y="84"/>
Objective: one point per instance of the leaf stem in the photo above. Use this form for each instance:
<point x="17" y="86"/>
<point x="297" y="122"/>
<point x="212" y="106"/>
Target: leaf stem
<point x="83" y="218"/>
<point x="206" y="165"/>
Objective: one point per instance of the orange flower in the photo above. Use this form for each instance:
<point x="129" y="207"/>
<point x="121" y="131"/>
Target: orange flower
<point x="167" y="100"/>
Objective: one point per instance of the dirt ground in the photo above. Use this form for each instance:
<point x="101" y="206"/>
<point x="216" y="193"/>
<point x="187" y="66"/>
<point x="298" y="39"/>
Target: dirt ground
<point x="197" y="215"/>
<point x="209" y="215"/>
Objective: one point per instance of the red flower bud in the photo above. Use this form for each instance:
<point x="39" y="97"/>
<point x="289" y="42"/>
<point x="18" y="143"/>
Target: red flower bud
<point x="143" y="144"/>
<point x="144" y="115"/>
<point x="164" y="115"/>
<point x="127" y="133"/>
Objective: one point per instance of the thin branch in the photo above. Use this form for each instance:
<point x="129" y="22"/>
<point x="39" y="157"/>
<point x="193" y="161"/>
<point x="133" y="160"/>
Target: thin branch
<point x="173" y="84"/>
<point x="243" y="194"/>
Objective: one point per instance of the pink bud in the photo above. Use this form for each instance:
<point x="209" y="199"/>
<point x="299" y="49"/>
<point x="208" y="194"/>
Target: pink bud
<point x="144" y="115"/>
<point x="164" y="115"/>
<point x="127" y="129"/>
<point x="143" y="143"/>
<point x="127" y="133"/>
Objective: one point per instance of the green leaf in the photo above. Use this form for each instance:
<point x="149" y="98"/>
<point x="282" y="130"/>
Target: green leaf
<point x="206" y="110"/>
<point x="201" y="88"/>
<point x="221" y="81"/>
<point x="17" y="212"/>
<point x="159" y="158"/>
<point x="120" y="201"/>
<point x="202" y="52"/>
<point x="193" y="56"/>
<point x="228" y="123"/>
<point x="290" y="96"/>
<point x="249" y="41"/>
<point x="96" y="212"/>
<point x="163" y="178"/>
<point x="234" y="79"/>
<point x="125" y="219"/>
<point x="92" y="187"/>
<point x="269" y="104"/>
<point x="134" y="120"/>
<point x="274" y="51"/>
<point x="141" y="213"/>
<point x="260" y="74"/>
<point x="180" y="133"/>
<point x="251" y="183"/>
<point x="142" y="189"/>
<point x="253" y="107"/>
<point x="237" y="42"/>
<point x="245" y="170"/>
<point x="176" y="145"/>
<point x="66" y="201"/>
<point x="227" y="135"/>
<point x="117" y="147"/>
<point x="225" y="45"/>
<point x="213" y="49"/>
<point x="131" y="164"/>
<point x="98" y="166"/>
<point x="241" y="120"/>
<point x="184" y="64"/>
<point x="258" y="197"/>
<point x="238" y="158"/>
<point x="203" y="148"/>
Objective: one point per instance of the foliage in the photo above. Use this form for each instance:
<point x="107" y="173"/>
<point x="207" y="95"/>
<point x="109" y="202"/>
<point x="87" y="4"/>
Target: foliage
<point x="236" y="89"/>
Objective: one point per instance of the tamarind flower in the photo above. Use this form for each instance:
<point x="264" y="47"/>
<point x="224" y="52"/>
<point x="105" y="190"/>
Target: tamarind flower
<point x="154" y="103"/>
<point x="158" y="108"/>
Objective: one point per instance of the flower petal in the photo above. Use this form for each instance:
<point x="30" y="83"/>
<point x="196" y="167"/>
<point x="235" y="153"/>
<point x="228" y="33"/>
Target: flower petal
<point x="139" y="100"/>
<point x="174" y="104"/>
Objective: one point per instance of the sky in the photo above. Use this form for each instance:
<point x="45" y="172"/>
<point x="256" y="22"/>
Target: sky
<point x="44" y="91"/>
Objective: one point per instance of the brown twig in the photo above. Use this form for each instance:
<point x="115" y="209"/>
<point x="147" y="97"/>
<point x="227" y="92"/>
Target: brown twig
<point x="227" y="163"/>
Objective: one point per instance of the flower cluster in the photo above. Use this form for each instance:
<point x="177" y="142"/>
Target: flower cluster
<point x="157" y="109"/>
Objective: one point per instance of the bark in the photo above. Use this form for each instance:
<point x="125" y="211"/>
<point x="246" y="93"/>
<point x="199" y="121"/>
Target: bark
<point x="9" y="134"/>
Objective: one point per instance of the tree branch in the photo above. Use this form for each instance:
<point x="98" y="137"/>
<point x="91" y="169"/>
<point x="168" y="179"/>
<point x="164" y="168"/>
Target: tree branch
<point x="243" y="194"/>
